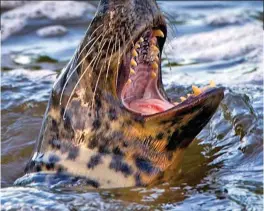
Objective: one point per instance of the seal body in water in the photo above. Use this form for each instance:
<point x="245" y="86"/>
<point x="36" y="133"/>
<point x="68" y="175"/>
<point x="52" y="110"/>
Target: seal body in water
<point x="108" y="120"/>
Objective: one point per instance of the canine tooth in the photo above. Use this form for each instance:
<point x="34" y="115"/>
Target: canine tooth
<point x="133" y="63"/>
<point x="155" y="66"/>
<point x="158" y="33"/>
<point x="129" y="81"/>
<point x="188" y="95"/>
<point x="156" y="59"/>
<point x="196" y="90"/>
<point x="153" y="74"/>
<point x="134" y="53"/>
<point x="176" y="103"/>
<point x="155" y="48"/>
<point x="183" y="98"/>
<point x="137" y="46"/>
<point x="132" y="72"/>
<point x="212" y="84"/>
<point x="141" y="39"/>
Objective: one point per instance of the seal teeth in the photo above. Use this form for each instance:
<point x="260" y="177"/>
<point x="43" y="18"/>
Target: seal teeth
<point x="134" y="53"/>
<point x="133" y="63"/>
<point x="196" y="90"/>
<point x="153" y="74"/>
<point x="158" y="33"/>
<point x="137" y="46"/>
<point x="141" y="40"/>
<point x="156" y="59"/>
<point x="183" y="98"/>
<point x="155" y="66"/>
<point x="154" y="48"/>
<point x="132" y="72"/>
<point x="129" y="81"/>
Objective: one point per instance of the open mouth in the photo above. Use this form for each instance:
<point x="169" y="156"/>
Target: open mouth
<point x="139" y="78"/>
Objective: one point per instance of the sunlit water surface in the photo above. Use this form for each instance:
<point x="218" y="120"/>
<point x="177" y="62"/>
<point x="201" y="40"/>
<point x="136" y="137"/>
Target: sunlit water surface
<point x="222" y="169"/>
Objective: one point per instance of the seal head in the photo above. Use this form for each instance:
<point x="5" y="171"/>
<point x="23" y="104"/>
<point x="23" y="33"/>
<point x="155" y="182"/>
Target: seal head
<point x="109" y="120"/>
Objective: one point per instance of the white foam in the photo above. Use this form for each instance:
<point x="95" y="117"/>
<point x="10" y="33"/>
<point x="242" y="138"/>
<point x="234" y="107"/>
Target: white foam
<point x="15" y="20"/>
<point x="51" y="31"/>
<point x="225" y="44"/>
<point x="227" y="18"/>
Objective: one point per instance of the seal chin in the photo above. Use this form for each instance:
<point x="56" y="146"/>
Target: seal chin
<point x="139" y="83"/>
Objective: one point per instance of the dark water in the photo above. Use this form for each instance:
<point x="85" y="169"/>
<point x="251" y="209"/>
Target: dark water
<point x="222" y="169"/>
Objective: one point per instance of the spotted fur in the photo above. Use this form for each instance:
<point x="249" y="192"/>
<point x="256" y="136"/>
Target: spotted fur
<point x="86" y="130"/>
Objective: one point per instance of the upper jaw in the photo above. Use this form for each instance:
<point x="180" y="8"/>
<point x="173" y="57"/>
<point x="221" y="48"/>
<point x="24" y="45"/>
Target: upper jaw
<point x="139" y="75"/>
<point x="139" y="84"/>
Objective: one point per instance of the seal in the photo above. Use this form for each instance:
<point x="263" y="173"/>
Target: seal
<point x="109" y="120"/>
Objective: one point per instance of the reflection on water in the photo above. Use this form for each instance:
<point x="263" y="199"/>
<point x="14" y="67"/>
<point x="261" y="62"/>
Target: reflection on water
<point x="222" y="169"/>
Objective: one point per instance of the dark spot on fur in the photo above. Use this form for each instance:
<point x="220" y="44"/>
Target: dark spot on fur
<point x="38" y="168"/>
<point x="117" y="151"/>
<point x="112" y="115"/>
<point x="50" y="166"/>
<point x="94" y="161"/>
<point x="107" y="126"/>
<point x="145" y="165"/>
<point x="128" y="122"/>
<point x="54" y="159"/>
<point x="125" y="144"/>
<point x="93" y="142"/>
<point x="117" y="135"/>
<point x="54" y="123"/>
<point x="119" y="165"/>
<point x="93" y="183"/>
<point x="73" y="153"/>
<point x="103" y="149"/>
<point x="172" y="142"/>
<point x="98" y="101"/>
<point x="138" y="180"/>
<point x="67" y="123"/>
<point x="60" y="169"/>
<point x="62" y="112"/>
<point x="96" y="124"/>
<point x="140" y="119"/>
<point x="160" y="136"/>
<point x="55" y="144"/>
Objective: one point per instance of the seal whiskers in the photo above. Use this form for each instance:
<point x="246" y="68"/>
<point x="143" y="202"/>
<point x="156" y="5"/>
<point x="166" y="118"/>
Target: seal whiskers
<point x="110" y="58"/>
<point x="87" y="54"/>
<point x="94" y="61"/>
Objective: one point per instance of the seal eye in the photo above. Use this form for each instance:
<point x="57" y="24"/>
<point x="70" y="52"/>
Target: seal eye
<point x="139" y="83"/>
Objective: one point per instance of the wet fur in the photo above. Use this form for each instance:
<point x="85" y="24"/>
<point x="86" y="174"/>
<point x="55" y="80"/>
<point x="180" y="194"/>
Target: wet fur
<point x="86" y="130"/>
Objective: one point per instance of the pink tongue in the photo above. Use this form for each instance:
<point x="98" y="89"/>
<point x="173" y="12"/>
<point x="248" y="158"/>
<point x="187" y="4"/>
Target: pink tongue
<point x="149" y="106"/>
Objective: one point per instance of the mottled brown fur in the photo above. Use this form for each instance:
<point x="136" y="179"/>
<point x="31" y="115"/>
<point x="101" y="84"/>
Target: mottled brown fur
<point x="94" y="136"/>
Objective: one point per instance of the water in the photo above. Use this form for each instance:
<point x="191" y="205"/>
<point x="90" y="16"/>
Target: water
<point x="223" y="167"/>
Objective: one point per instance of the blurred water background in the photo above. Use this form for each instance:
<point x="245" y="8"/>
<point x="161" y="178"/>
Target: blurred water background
<point x="210" y="40"/>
